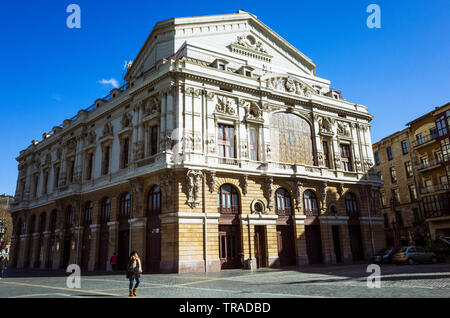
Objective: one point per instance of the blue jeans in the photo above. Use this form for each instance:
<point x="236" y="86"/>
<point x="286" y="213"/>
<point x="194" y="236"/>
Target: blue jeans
<point x="3" y="273"/>
<point x="138" y="280"/>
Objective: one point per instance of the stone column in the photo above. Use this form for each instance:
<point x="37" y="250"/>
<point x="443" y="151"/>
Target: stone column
<point x="59" y="246"/>
<point x="34" y="255"/>
<point x="138" y="237"/>
<point x="327" y="241"/>
<point x="300" y="242"/>
<point x="44" y="255"/>
<point x="113" y="240"/>
<point x="93" y="251"/>
<point x="347" y="256"/>
<point x="272" y="245"/>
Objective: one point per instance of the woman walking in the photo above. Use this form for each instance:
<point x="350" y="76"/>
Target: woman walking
<point x="134" y="272"/>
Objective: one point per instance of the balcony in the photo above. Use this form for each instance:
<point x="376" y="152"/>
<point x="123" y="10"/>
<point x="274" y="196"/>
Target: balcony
<point x="424" y="140"/>
<point x="434" y="188"/>
<point x="441" y="210"/>
<point x="430" y="164"/>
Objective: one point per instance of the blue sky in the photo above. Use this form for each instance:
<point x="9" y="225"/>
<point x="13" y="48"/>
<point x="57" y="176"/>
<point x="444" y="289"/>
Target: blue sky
<point x="49" y="71"/>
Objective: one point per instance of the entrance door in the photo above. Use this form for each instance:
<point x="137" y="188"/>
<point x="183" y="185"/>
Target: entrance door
<point x="313" y="244"/>
<point x="123" y="253"/>
<point x="336" y="243"/>
<point x="103" y="247"/>
<point x="153" y="250"/>
<point x="260" y="246"/>
<point x="286" y="246"/>
<point x="356" y="242"/>
<point x="86" y="248"/>
<point x="229" y="246"/>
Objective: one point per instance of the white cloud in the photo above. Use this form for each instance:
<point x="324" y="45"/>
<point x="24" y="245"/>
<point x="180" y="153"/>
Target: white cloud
<point x="111" y="81"/>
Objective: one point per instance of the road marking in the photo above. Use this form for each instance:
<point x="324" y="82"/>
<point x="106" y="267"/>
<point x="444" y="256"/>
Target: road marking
<point x="66" y="289"/>
<point x="41" y="295"/>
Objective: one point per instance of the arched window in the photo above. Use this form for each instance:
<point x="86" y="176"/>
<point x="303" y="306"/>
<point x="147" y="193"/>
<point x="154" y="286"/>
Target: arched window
<point x="351" y="205"/>
<point x="42" y="222"/>
<point x="154" y="201"/>
<point x="53" y="221"/>
<point x="88" y="208"/>
<point x="125" y="205"/>
<point x="310" y="203"/>
<point x="32" y="224"/>
<point x="105" y="210"/>
<point x="69" y="216"/>
<point x="282" y="202"/>
<point x="228" y="199"/>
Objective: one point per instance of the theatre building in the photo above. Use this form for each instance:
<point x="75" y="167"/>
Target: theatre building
<point x="222" y="150"/>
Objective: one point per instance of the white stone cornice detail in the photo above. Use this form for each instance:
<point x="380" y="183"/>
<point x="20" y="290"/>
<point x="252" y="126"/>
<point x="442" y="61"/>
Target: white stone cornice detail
<point x="300" y="216"/>
<point x="258" y="219"/>
<point x="189" y="218"/>
<point x="37" y="234"/>
<point x="94" y="226"/>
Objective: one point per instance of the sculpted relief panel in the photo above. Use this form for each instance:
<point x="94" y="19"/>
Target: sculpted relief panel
<point x="291" y="139"/>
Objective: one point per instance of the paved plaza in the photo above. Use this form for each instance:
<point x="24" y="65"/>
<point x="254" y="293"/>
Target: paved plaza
<point x="425" y="280"/>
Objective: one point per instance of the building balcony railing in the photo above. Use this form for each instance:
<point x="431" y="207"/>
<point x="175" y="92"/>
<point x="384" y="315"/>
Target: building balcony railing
<point x="423" y="140"/>
<point x="433" y="163"/>
<point x="434" y="188"/>
<point x="442" y="211"/>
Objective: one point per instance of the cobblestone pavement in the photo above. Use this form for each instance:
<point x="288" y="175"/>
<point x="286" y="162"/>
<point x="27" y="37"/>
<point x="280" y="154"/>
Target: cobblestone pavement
<point x="425" y="280"/>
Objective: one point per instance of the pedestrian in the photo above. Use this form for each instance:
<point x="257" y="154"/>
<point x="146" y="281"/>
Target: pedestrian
<point x="3" y="266"/>
<point x="134" y="272"/>
<point x="113" y="261"/>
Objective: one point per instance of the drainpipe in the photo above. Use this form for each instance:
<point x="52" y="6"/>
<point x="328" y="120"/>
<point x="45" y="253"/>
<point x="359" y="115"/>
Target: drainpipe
<point x="205" y="225"/>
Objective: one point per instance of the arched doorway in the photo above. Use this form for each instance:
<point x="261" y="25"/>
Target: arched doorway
<point x="153" y="246"/>
<point x="354" y="227"/>
<point x="29" y="254"/>
<point x="124" y="231"/>
<point x="40" y="253"/>
<point x="312" y="228"/>
<point x="229" y="227"/>
<point x="86" y="240"/>
<point x="67" y="237"/>
<point x="51" y="240"/>
<point x="105" y="211"/>
<point x="285" y="228"/>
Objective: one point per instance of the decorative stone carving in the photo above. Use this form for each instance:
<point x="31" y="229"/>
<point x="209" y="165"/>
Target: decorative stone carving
<point x="268" y="152"/>
<point x="152" y="106"/>
<point x="126" y="120"/>
<point x="340" y="189"/>
<point x="323" y="195"/>
<point x="244" y="150"/>
<point x="211" y="144"/>
<point x="91" y="137"/>
<point x="298" y="195"/>
<point x="343" y="129"/>
<point x="210" y="178"/>
<point x="249" y="42"/>
<point x="243" y="183"/>
<point x="138" y="151"/>
<point x="357" y="164"/>
<point x="337" y="161"/>
<point x="166" y="142"/>
<point x="108" y="129"/>
<point x="257" y="207"/>
<point x="48" y="159"/>
<point x="325" y="125"/>
<point x="289" y="85"/>
<point x="136" y="192"/>
<point x="165" y="184"/>
<point x="268" y="192"/>
<point x="225" y="106"/>
<point x="193" y="178"/>
<point x="253" y="112"/>
<point x="320" y="158"/>
<point x="71" y="146"/>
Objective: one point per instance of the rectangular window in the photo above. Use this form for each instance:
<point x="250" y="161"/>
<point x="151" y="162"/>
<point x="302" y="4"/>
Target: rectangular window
<point x="445" y="148"/>
<point x="71" y="170"/>
<point x="419" y="139"/>
<point x="389" y="153"/>
<point x="125" y="152"/>
<point x="153" y="140"/>
<point x="253" y="135"/>
<point x="36" y="182"/>
<point x="412" y="192"/>
<point x="399" y="219"/>
<point x="346" y="157"/>
<point x="441" y="126"/>
<point x="221" y="66"/>
<point x="226" y="141"/>
<point x="404" y="147"/>
<point x="106" y="154"/>
<point x="383" y="199"/>
<point x="57" y="172"/>
<point x="377" y="158"/>
<point x="443" y="179"/>
<point x="393" y="175"/>
<point x="90" y="165"/>
<point x="45" y="182"/>
<point x="326" y="154"/>
<point x="408" y="169"/>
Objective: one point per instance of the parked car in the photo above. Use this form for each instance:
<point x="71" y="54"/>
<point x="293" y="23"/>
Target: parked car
<point x="384" y="256"/>
<point x="413" y="255"/>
